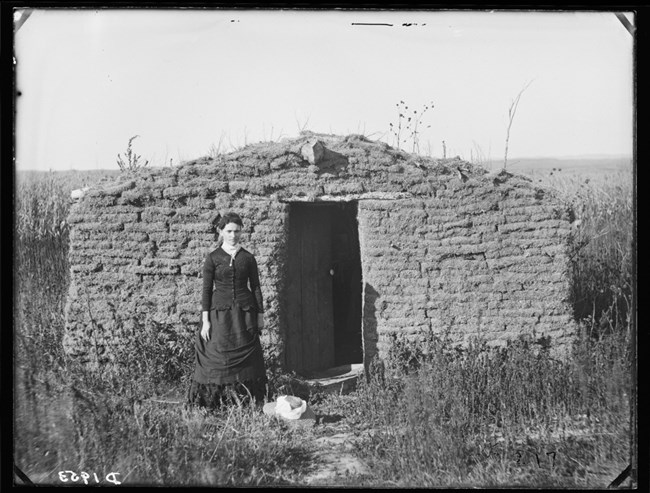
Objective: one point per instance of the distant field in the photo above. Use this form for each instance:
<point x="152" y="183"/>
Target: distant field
<point x="69" y="180"/>
<point x="583" y="166"/>
<point x="529" y="166"/>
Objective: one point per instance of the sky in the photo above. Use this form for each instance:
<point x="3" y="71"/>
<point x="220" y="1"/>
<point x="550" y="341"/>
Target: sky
<point x="194" y="82"/>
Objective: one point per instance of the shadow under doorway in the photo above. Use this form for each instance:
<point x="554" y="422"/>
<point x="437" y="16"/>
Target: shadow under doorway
<point x="323" y="287"/>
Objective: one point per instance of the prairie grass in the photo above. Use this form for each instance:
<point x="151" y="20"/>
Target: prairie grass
<point x="152" y="442"/>
<point x="601" y="247"/>
<point x="432" y="415"/>
<point x="485" y="416"/>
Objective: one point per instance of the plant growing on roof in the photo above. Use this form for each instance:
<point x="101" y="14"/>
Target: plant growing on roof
<point x="409" y="123"/>
<point x="511" y="116"/>
<point x="217" y="150"/>
<point x="131" y="160"/>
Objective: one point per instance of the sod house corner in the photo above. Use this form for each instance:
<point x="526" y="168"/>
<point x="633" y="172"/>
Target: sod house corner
<point x="356" y="241"/>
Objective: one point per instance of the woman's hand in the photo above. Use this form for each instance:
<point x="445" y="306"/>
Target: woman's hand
<point x="260" y="321"/>
<point x="205" y="331"/>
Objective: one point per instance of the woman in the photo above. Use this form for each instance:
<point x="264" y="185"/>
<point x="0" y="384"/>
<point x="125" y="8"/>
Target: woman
<point x="229" y="355"/>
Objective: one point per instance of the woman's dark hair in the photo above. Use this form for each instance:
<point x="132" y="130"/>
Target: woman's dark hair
<point x="220" y="222"/>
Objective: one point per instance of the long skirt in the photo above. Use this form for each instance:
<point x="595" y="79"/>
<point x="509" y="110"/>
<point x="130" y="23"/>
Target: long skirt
<point x="230" y="365"/>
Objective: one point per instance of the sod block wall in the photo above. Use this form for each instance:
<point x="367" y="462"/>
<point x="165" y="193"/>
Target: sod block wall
<point x="445" y="246"/>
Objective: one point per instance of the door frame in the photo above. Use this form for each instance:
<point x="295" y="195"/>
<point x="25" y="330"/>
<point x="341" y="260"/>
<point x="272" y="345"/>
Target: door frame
<point x="299" y="345"/>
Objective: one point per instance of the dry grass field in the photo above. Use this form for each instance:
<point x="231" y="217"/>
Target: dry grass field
<point x="434" y="416"/>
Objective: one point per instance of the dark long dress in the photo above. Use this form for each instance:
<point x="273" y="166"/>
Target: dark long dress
<point x="231" y="362"/>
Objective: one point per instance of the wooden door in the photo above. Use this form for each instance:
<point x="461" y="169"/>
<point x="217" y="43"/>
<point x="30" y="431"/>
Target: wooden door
<point x="310" y="331"/>
<point x="346" y="261"/>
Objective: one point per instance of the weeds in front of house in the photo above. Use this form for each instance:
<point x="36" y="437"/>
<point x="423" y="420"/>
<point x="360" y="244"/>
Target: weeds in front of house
<point x="433" y="415"/>
<point x="134" y="421"/>
<point x="485" y="416"/>
<point x="118" y="429"/>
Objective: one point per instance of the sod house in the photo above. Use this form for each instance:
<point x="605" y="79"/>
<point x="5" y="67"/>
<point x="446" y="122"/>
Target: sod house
<point x="355" y="241"/>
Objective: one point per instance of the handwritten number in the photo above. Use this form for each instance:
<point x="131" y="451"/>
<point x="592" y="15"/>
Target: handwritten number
<point x="65" y="476"/>
<point x="112" y="478"/>
<point x="553" y="454"/>
<point x="520" y="456"/>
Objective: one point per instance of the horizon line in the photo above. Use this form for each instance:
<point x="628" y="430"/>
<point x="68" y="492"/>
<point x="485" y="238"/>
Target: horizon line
<point x="584" y="157"/>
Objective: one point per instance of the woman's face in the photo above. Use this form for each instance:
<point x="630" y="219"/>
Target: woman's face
<point x="231" y="234"/>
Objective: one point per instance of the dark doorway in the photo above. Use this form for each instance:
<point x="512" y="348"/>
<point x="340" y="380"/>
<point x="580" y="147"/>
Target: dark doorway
<point x="323" y="289"/>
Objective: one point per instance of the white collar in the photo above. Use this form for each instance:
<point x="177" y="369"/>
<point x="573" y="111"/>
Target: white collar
<point x="231" y="251"/>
